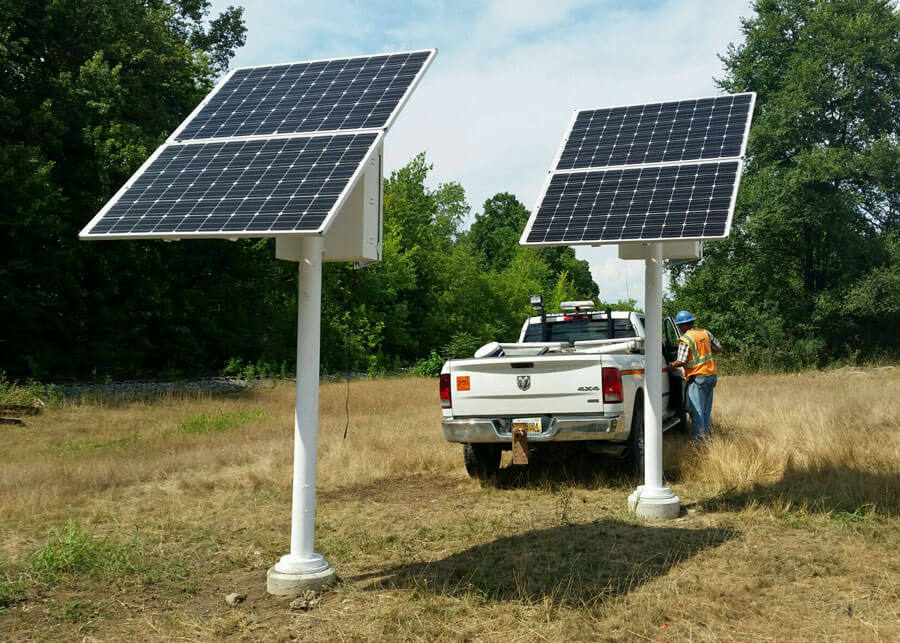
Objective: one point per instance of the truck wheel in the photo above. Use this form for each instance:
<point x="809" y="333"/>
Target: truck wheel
<point x="635" y="458"/>
<point x="482" y="460"/>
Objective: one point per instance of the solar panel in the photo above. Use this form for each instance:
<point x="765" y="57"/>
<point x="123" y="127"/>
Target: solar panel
<point x="255" y="185"/>
<point x="653" y="172"/>
<point x="648" y="202"/>
<point x="272" y="150"/>
<point x="328" y="95"/>
<point x="686" y="130"/>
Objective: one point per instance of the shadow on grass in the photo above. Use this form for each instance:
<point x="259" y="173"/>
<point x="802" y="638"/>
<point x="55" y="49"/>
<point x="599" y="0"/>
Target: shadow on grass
<point x="572" y="565"/>
<point x="570" y="469"/>
<point x="841" y="491"/>
<point x="579" y="468"/>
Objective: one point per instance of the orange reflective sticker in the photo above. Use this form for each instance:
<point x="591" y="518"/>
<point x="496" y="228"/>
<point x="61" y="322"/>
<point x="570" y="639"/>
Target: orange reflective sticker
<point x="462" y="383"/>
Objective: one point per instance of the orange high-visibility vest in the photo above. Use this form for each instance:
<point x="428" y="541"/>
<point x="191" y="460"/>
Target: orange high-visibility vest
<point x="700" y="360"/>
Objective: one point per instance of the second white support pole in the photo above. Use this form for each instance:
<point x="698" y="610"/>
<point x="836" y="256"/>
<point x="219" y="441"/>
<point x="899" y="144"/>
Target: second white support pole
<point x="653" y="499"/>
<point x="302" y="568"/>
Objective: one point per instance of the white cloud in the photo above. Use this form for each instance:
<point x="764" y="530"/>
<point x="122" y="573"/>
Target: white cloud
<point x="492" y="110"/>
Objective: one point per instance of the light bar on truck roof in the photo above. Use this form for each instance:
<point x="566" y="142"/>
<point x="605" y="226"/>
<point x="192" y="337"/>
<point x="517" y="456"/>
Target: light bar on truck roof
<point x="577" y="305"/>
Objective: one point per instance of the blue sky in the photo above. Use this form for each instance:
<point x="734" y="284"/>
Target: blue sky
<point x="493" y="108"/>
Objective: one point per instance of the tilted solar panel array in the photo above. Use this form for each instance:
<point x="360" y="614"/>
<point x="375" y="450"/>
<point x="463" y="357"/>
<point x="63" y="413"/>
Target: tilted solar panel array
<point x="271" y="150"/>
<point x="257" y="185"/>
<point x="347" y="94"/>
<point x="652" y="172"/>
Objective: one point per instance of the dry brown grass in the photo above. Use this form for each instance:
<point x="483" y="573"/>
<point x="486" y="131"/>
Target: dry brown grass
<point x="827" y="441"/>
<point x="69" y="455"/>
<point x="790" y="530"/>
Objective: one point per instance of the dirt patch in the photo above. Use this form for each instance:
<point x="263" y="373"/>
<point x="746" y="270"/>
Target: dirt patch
<point x="407" y="491"/>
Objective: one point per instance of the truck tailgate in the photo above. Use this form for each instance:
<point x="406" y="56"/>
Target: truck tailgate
<point x="527" y="386"/>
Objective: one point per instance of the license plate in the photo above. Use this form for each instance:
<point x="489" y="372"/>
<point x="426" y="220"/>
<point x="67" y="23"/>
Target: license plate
<point x="531" y="425"/>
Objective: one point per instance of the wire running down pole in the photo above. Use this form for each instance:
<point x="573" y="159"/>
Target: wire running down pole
<point x="653" y="499"/>
<point x="302" y="568"/>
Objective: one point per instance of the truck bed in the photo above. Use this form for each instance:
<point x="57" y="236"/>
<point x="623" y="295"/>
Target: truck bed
<point x="551" y="384"/>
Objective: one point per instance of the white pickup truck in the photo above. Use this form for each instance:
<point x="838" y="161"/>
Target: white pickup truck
<point x="573" y="379"/>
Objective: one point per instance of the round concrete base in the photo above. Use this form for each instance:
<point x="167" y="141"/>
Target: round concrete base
<point x="282" y="584"/>
<point x="658" y="504"/>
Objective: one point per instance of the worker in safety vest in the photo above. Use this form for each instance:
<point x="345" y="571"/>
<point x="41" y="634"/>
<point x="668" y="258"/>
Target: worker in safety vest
<point x="695" y="353"/>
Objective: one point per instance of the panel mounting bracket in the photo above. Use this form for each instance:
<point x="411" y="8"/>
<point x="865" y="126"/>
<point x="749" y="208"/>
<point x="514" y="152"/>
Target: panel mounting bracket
<point x="355" y="236"/>
<point x="680" y="249"/>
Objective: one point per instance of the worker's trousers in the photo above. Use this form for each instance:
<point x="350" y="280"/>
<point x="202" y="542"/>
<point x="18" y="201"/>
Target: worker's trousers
<point x="700" y="400"/>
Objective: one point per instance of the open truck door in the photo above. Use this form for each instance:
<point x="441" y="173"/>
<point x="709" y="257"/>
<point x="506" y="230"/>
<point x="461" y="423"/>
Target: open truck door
<point x="677" y="401"/>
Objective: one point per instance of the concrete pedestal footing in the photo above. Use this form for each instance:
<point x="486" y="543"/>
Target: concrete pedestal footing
<point x="657" y="504"/>
<point x="285" y="584"/>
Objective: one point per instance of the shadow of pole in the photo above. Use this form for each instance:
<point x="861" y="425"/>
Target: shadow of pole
<point x="573" y="565"/>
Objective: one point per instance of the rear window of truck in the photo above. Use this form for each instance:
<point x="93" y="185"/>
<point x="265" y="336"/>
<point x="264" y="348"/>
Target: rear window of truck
<point x="578" y="330"/>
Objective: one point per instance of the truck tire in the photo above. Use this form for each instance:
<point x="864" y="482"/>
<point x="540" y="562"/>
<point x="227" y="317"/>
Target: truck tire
<point x="482" y="460"/>
<point x="635" y="457"/>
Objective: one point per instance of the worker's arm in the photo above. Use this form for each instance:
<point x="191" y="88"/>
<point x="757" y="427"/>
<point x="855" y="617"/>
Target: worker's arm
<point x="682" y="356"/>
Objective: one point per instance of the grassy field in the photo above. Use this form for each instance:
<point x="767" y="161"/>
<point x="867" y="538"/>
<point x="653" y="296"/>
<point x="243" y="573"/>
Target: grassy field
<point x="124" y="520"/>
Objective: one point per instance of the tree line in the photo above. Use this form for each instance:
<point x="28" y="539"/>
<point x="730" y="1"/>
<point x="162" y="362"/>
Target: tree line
<point x="810" y="274"/>
<point x="811" y="271"/>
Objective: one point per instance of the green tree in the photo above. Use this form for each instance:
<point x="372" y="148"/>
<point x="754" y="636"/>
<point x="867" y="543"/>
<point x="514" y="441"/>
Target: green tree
<point x="89" y="88"/>
<point x="811" y="247"/>
<point x="561" y="259"/>
<point x="495" y="234"/>
<point x="496" y="230"/>
<point x="415" y="295"/>
<point x="435" y="292"/>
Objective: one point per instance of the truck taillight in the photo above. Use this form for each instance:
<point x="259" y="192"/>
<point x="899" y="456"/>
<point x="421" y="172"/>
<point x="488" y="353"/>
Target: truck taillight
<point x="445" y="391"/>
<point x="612" y="385"/>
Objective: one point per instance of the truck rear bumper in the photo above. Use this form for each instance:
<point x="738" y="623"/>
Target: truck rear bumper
<point x="554" y="429"/>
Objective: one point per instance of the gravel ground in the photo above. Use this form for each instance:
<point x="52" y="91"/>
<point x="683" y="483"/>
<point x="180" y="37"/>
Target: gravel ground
<point x="138" y="387"/>
<point x="124" y="388"/>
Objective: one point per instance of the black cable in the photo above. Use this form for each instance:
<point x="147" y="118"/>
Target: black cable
<point x="347" y="377"/>
<point x="347" y="338"/>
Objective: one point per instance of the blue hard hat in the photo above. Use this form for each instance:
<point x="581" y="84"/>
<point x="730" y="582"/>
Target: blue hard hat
<point x="683" y="317"/>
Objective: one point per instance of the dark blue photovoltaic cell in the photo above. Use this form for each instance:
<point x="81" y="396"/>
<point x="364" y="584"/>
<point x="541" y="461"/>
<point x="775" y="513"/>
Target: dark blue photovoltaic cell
<point x="261" y="185"/>
<point x="686" y="201"/>
<point x="345" y="94"/>
<point x="687" y="130"/>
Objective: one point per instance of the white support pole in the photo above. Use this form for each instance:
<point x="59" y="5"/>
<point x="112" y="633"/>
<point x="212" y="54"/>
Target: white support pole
<point x="304" y="569"/>
<point x="653" y="499"/>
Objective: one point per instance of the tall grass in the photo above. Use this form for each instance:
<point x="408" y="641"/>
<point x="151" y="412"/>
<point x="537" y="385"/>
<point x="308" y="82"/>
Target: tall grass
<point x="71" y="454"/>
<point x="827" y="441"/>
<point x="17" y="394"/>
